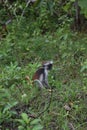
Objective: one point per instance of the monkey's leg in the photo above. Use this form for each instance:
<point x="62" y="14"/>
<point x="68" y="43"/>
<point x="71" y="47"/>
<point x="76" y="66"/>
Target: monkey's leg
<point x="38" y="83"/>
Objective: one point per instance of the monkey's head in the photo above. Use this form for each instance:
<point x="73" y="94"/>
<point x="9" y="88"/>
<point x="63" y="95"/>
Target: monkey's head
<point x="48" y="65"/>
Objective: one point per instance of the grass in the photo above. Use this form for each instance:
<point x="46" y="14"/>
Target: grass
<point x="20" y="58"/>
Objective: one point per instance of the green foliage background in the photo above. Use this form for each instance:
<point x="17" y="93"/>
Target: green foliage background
<point x="43" y="32"/>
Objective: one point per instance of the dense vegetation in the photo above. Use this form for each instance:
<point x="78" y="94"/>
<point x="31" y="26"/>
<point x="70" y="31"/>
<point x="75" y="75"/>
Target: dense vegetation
<point x="31" y="32"/>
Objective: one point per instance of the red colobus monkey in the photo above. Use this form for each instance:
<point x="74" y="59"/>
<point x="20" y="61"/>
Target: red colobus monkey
<point x="41" y="75"/>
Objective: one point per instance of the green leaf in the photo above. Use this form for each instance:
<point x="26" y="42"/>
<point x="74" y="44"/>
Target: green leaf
<point x="83" y="5"/>
<point x="20" y="128"/>
<point x="21" y="121"/>
<point x="38" y="127"/>
<point x="25" y="117"/>
<point x="35" y="121"/>
<point x="28" y="128"/>
<point x="67" y="6"/>
<point x="84" y="66"/>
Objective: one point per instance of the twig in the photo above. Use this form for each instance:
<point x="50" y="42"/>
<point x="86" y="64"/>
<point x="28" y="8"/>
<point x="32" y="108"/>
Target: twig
<point x="25" y="9"/>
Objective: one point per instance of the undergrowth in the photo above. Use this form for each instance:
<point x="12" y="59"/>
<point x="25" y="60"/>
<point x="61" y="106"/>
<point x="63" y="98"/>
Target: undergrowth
<point x="21" y="103"/>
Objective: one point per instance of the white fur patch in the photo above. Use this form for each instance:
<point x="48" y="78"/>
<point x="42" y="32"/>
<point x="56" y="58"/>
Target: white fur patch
<point x="41" y="78"/>
<point x="46" y="73"/>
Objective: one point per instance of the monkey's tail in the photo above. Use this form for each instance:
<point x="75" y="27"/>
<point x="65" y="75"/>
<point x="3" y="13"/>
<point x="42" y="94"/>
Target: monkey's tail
<point x="50" y="101"/>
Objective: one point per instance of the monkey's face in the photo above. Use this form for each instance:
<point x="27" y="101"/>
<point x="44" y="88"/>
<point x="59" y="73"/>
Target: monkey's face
<point x="48" y="65"/>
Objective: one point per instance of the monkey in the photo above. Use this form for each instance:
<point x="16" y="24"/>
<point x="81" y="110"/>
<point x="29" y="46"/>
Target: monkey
<point x="41" y="75"/>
